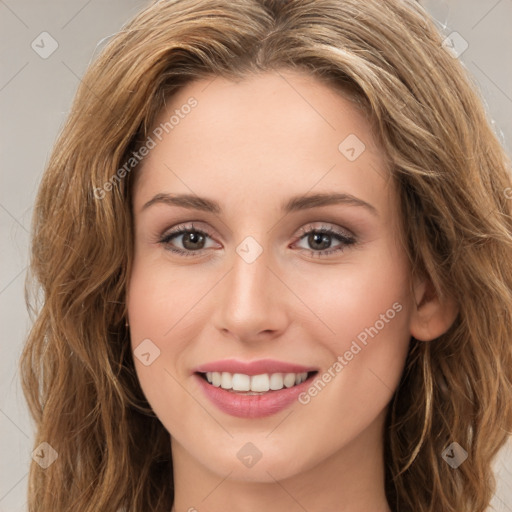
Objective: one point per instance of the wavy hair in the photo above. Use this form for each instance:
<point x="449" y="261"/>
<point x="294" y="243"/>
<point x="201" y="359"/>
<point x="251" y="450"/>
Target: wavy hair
<point x="454" y="185"/>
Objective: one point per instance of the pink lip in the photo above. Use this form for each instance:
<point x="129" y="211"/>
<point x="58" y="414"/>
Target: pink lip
<point x="253" y="367"/>
<point x="252" y="406"/>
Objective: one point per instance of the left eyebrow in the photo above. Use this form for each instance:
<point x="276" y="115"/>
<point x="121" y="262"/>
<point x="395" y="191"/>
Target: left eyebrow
<point x="296" y="203"/>
<point x="314" y="200"/>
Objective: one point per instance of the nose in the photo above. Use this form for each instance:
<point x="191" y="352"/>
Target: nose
<point x="252" y="302"/>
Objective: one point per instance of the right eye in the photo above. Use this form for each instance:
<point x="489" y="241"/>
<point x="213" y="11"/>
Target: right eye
<point x="192" y="240"/>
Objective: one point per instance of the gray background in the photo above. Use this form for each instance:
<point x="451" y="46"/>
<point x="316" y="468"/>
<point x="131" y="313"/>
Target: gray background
<point x="35" y="96"/>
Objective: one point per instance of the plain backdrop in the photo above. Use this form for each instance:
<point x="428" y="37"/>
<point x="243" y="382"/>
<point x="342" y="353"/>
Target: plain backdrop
<point x="35" y="95"/>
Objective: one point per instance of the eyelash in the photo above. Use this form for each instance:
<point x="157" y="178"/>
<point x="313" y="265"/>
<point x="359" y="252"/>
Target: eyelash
<point x="182" y="230"/>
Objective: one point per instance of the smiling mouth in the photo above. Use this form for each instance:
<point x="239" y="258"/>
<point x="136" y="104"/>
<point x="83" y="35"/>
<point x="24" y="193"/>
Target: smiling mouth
<point x="240" y="383"/>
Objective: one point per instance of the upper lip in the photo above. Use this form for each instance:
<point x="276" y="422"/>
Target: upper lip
<point x="253" y="367"/>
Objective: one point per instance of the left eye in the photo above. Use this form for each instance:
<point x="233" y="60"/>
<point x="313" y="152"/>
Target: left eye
<point x="319" y="239"/>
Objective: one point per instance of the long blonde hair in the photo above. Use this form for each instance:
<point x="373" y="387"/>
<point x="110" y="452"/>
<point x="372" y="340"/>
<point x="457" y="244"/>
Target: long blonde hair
<point x="454" y="185"/>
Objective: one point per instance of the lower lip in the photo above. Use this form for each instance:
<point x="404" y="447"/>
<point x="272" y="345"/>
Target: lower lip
<point x="252" y="406"/>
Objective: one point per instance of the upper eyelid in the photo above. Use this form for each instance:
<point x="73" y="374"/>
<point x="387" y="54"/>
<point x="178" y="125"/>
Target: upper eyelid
<point x="192" y="226"/>
<point x="346" y="241"/>
<point x="196" y="226"/>
<point x="342" y="232"/>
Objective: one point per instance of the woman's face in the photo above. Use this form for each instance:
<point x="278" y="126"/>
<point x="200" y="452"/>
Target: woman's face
<point x="256" y="296"/>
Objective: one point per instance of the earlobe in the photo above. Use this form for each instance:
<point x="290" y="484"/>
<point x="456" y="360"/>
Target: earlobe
<point x="431" y="317"/>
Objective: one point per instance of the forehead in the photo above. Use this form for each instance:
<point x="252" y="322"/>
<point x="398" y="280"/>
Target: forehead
<point x="266" y="133"/>
<point x="291" y="105"/>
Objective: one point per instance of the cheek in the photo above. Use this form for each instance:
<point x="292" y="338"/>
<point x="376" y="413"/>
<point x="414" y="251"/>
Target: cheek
<point x="155" y="302"/>
<point x="368" y="312"/>
<point x="365" y="309"/>
<point x="365" y="298"/>
<point x="158" y="298"/>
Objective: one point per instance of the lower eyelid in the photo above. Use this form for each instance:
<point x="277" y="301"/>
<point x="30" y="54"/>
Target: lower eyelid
<point x="345" y="241"/>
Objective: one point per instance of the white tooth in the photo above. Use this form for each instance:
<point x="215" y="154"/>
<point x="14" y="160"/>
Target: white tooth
<point x="241" y="382"/>
<point x="226" y="381"/>
<point x="257" y="383"/>
<point x="260" y="382"/>
<point x="216" y="379"/>
<point x="276" y="381"/>
<point x="289" y="380"/>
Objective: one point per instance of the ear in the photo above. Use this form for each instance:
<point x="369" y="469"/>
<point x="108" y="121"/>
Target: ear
<point x="431" y="317"/>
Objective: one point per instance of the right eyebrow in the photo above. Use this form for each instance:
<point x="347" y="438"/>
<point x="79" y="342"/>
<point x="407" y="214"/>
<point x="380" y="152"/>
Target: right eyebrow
<point x="189" y="201"/>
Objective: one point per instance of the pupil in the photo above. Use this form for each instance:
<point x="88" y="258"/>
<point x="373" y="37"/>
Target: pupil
<point x="194" y="239"/>
<point x="320" y="238"/>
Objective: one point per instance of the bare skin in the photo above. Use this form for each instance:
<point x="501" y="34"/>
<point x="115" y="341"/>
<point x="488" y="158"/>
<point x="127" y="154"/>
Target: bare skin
<point x="251" y="146"/>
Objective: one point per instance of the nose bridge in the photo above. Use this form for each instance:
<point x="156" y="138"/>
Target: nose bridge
<point x="250" y="277"/>
<point x="251" y="299"/>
